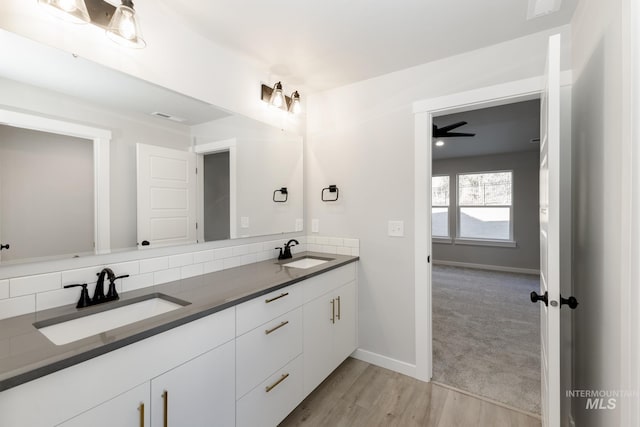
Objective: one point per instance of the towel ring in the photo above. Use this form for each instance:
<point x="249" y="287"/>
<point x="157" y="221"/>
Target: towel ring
<point x="330" y="189"/>
<point x="282" y="191"/>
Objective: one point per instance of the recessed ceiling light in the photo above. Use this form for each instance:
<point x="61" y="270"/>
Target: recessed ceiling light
<point x="539" y="8"/>
<point x="439" y="143"/>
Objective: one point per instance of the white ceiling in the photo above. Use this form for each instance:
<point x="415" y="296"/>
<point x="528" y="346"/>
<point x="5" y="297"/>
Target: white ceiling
<point x="504" y="129"/>
<point x="330" y="43"/>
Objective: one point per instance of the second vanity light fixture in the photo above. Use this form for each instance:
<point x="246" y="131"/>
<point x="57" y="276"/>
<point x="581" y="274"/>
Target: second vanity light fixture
<point x="275" y="96"/>
<point x="120" y="23"/>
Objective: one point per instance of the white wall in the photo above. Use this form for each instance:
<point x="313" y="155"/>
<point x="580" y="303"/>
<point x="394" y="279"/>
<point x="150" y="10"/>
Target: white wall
<point x="175" y="57"/>
<point x="602" y="149"/>
<point x="361" y="138"/>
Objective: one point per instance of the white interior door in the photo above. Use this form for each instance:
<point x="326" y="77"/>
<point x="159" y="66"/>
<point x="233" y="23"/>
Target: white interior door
<point x="166" y="196"/>
<point x="550" y="237"/>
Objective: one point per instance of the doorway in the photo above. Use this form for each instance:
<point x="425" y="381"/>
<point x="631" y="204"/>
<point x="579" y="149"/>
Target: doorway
<point x="486" y="253"/>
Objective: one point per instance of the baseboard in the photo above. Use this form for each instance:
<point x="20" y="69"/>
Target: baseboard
<point x="487" y="267"/>
<point x="385" y="362"/>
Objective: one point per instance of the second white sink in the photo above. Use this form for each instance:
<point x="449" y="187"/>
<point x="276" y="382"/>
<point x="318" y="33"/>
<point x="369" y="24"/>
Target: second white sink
<point x="86" y="326"/>
<point x="306" y="262"/>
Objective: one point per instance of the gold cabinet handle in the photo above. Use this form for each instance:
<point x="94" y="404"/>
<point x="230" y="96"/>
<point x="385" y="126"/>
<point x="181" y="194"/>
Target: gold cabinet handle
<point x="165" y="397"/>
<point x="141" y="409"/>
<point x="274" y="385"/>
<point x="275" y="328"/>
<point x="333" y="311"/>
<point x="338" y="315"/>
<point x="268" y="300"/>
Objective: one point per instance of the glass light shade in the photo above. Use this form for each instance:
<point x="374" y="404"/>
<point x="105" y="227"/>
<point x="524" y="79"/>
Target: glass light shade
<point x="295" y="106"/>
<point x="124" y="27"/>
<point x="277" y="97"/>
<point x="69" y="10"/>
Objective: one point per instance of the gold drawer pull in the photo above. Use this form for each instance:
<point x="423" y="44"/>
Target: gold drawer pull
<point x="338" y="315"/>
<point x="275" y="298"/>
<point x="274" y="385"/>
<point x="275" y="328"/>
<point x="141" y="409"/>
<point x="333" y="311"/>
<point x="165" y="397"/>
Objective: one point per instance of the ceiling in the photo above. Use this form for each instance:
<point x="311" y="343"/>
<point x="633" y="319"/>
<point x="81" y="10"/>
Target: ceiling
<point x="330" y="43"/>
<point x="504" y="129"/>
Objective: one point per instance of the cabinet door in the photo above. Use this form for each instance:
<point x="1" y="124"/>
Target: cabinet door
<point x="130" y="409"/>
<point x="344" y="337"/>
<point x="200" y="392"/>
<point x="318" y="341"/>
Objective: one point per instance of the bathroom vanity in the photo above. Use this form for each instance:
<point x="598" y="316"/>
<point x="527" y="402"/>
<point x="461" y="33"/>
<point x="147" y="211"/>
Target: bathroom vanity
<point x="249" y="345"/>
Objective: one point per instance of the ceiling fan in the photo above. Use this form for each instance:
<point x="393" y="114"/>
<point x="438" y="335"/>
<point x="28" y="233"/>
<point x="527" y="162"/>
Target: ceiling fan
<point x="443" y="132"/>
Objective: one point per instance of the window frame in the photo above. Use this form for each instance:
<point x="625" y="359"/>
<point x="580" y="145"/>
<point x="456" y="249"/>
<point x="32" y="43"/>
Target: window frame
<point x="448" y="238"/>
<point x="510" y="242"/>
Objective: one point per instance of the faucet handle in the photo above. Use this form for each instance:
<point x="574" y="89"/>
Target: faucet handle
<point x="112" y="293"/>
<point x="280" y="256"/>
<point x="84" y="300"/>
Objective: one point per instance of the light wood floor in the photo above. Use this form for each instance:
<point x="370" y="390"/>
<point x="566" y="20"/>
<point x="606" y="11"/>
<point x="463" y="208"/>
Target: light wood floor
<point x="360" y="394"/>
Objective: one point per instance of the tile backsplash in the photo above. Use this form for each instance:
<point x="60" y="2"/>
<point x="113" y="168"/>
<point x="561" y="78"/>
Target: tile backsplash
<point x="26" y="294"/>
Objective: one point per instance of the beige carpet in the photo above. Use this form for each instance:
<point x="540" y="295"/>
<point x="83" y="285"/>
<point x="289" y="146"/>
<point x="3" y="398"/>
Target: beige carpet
<point x="486" y="334"/>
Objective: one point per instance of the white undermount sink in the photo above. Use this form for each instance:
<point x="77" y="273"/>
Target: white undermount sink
<point x="307" y="262"/>
<point x="64" y="332"/>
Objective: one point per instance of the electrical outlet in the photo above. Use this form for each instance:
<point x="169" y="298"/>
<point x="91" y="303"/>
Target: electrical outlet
<point x="299" y="224"/>
<point x="396" y="228"/>
<point x="244" y="222"/>
<point x="315" y="226"/>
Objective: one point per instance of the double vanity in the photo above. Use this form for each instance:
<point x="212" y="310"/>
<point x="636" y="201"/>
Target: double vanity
<point x="238" y="347"/>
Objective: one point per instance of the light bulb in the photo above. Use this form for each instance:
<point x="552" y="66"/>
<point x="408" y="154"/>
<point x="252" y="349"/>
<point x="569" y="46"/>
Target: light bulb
<point x="439" y="143"/>
<point x="278" y="98"/>
<point x="296" y="106"/>
<point x="127" y="27"/>
<point x="67" y="5"/>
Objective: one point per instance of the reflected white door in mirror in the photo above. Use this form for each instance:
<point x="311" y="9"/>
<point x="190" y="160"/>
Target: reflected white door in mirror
<point x="39" y="217"/>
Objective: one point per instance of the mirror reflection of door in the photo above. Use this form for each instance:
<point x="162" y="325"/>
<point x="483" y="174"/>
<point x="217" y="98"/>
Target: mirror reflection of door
<point x="216" y="196"/>
<point x="46" y="194"/>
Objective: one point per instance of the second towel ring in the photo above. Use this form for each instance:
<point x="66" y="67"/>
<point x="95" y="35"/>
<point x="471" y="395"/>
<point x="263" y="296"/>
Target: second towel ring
<point x="330" y="189"/>
<point x="282" y="191"/>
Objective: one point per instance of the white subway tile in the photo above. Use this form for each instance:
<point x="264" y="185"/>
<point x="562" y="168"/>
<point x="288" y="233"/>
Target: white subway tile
<point x="4" y="289"/>
<point x="265" y="255"/>
<point x="299" y="248"/>
<point x="336" y="241"/>
<point x="51" y="299"/>
<point x="343" y="250"/>
<point x="17" y="306"/>
<point x="138" y="281"/>
<point x="81" y="275"/>
<point x="240" y="250"/>
<point x="351" y="243"/>
<point x="130" y="268"/>
<point x="328" y="249"/>
<point x="31" y="284"/>
<point x="180" y="260"/>
<point x="268" y="246"/>
<point x="311" y="239"/>
<point x="322" y="240"/>
<point x="254" y="248"/>
<point x="202" y="256"/>
<point x="212" y="266"/>
<point x="355" y="251"/>
<point x="150" y="265"/>
<point x="302" y="239"/>
<point x="312" y="247"/>
<point x="222" y="253"/>
<point x="249" y="259"/>
<point x="191" y="270"/>
<point x="232" y="262"/>
<point x="164" y="276"/>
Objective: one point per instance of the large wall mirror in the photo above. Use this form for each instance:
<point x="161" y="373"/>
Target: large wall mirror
<point x="178" y="170"/>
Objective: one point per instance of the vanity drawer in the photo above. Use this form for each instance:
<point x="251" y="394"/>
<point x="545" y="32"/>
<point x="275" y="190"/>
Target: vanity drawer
<point x="272" y="400"/>
<point x="260" y="352"/>
<point x="262" y="309"/>
<point x="326" y="282"/>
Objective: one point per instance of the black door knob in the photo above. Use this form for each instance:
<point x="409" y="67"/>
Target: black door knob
<point x="145" y="243"/>
<point x="572" y="302"/>
<point x="4" y="246"/>
<point x="535" y="297"/>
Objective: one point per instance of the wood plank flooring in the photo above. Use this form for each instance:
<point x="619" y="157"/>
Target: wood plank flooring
<point x="361" y="394"/>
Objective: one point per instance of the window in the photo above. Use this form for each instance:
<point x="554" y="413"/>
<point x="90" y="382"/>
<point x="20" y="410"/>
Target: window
<point x="485" y="205"/>
<point x="440" y="206"/>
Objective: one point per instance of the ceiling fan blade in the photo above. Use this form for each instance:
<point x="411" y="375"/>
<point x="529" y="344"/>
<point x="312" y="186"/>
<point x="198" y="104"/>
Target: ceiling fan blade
<point x="453" y="134"/>
<point x="452" y="126"/>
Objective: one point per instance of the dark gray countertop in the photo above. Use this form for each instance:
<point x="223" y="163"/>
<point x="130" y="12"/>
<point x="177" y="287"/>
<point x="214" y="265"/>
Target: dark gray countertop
<point x="26" y="354"/>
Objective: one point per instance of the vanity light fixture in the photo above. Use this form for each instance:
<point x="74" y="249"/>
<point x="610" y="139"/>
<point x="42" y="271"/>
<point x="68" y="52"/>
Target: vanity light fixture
<point x="276" y="97"/>
<point x="120" y="23"/>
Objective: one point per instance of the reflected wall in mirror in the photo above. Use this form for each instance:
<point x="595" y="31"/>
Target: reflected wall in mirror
<point x="88" y="94"/>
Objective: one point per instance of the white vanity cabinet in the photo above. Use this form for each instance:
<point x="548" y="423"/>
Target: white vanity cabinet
<point x="329" y="327"/>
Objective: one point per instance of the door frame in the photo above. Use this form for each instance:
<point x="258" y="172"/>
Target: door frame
<point x="101" y="139"/>
<point x="229" y="145"/>
<point x="424" y="111"/>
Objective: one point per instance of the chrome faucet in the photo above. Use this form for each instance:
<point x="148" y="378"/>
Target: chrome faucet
<point x="286" y="253"/>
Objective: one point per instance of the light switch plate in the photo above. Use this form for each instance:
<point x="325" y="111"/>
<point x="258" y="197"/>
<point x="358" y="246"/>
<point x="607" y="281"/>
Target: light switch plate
<point x="299" y="224"/>
<point x="244" y="222"/>
<point x="396" y="228"/>
<point x="315" y="226"/>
